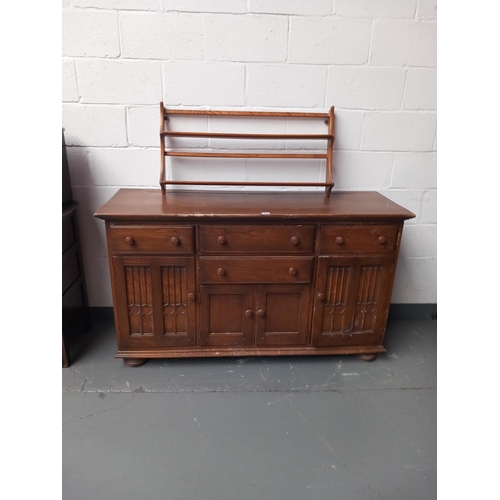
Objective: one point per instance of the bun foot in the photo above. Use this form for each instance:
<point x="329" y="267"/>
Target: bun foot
<point x="366" y="357"/>
<point x="134" y="361"/>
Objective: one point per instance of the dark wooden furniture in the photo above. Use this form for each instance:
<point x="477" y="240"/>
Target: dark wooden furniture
<point x="75" y="310"/>
<point x="230" y="274"/>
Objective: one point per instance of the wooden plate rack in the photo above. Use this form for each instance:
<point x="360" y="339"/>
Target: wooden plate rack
<point x="329" y="137"/>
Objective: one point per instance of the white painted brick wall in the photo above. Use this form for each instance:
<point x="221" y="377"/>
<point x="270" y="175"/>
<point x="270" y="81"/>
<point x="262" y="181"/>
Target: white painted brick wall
<point x="427" y="9"/>
<point x="90" y="33"/>
<point x="119" y="81"/>
<point x="365" y="87"/>
<point x="99" y="125"/>
<point x="420" y="167"/>
<point x="428" y="210"/>
<point x="368" y="171"/>
<point x="391" y="9"/>
<point x="203" y="84"/>
<point x="299" y="86"/>
<point x="296" y="7"/>
<point x="227" y="38"/>
<point x="375" y="61"/>
<point x="118" y="4"/>
<point x="231" y="6"/>
<point x="421" y="89"/>
<point x="329" y="40"/>
<point x="404" y="43"/>
<point x="151" y="35"/>
<point x="398" y="131"/>
<point x="69" y="85"/>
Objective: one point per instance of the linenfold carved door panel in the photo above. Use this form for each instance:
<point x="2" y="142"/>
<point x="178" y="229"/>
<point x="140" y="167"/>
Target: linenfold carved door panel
<point x="157" y="299"/>
<point x="349" y="306"/>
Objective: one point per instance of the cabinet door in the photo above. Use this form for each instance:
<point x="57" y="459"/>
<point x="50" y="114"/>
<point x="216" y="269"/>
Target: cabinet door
<point x="282" y="314"/>
<point x="226" y="315"/>
<point x="351" y="300"/>
<point x="155" y="300"/>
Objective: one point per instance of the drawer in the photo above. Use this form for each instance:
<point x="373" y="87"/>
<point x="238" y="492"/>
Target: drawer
<point x="364" y="238"/>
<point x="256" y="269"/>
<point x="164" y="239"/>
<point x="257" y="239"/>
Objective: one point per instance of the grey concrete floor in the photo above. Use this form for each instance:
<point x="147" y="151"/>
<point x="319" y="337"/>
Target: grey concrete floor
<point x="294" y="428"/>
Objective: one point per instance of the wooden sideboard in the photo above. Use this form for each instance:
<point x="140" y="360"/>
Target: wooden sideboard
<point x="198" y="274"/>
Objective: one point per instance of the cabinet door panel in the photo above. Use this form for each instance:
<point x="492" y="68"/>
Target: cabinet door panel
<point x="282" y="314"/>
<point x="153" y="309"/>
<point x="334" y="300"/>
<point x="178" y="303"/>
<point x="372" y="301"/>
<point x="226" y="315"/>
<point x="351" y="300"/>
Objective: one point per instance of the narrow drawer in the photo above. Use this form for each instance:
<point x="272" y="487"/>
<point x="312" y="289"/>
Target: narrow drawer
<point x="257" y="239"/>
<point x="164" y="239"/>
<point x="365" y="238"/>
<point x="256" y="269"/>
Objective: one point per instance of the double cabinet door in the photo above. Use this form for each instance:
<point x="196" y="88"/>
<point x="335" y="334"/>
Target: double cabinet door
<point x="263" y="314"/>
<point x="351" y="300"/>
<point x="156" y="301"/>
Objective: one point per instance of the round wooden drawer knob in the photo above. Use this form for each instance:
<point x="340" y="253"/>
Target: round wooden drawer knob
<point x="321" y="296"/>
<point x="174" y="240"/>
<point x="292" y="271"/>
<point x="261" y="313"/>
<point x="221" y="271"/>
<point x="382" y="240"/>
<point x="248" y="313"/>
<point x="191" y="296"/>
<point x="294" y="240"/>
<point x="221" y="240"/>
<point x="339" y="240"/>
<point x="129" y="240"/>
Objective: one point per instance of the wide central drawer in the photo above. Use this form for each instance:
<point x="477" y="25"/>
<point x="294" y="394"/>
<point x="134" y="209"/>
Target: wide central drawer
<point x="164" y="239"/>
<point x="257" y="239"/>
<point x="256" y="269"/>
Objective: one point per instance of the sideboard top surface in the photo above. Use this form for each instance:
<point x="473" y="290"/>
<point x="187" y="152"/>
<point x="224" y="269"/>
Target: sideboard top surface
<point x="342" y="205"/>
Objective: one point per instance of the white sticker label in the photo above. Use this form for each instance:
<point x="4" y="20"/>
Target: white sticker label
<point x="266" y="213"/>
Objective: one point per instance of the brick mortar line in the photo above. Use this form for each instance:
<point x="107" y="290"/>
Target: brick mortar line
<point x="259" y="108"/>
<point x="332" y="15"/>
<point x="260" y="63"/>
